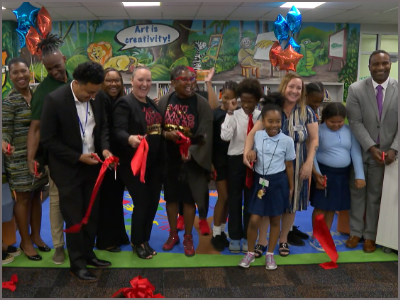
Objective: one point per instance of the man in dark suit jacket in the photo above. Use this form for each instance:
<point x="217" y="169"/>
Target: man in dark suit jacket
<point x="372" y="111"/>
<point x="73" y="126"/>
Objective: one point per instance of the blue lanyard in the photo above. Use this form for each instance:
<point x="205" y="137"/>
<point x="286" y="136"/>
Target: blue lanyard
<point x="80" y="124"/>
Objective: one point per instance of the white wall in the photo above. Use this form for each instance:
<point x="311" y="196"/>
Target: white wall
<point x="379" y="28"/>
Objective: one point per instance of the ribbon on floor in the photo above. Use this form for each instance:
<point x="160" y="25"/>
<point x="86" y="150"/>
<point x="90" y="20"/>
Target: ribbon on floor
<point x="322" y="234"/>
<point x="112" y="159"/>
<point x="184" y="144"/>
<point x="10" y="285"/>
<point x="139" y="160"/>
<point x="141" y="288"/>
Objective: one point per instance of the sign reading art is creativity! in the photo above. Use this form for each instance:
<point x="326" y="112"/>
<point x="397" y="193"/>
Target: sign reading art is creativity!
<point x="146" y="35"/>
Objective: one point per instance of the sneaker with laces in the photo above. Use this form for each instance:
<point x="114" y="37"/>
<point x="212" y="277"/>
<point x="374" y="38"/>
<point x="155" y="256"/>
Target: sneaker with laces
<point x="180" y="225"/>
<point x="7" y="258"/>
<point x="314" y="243"/>
<point x="270" y="263"/>
<point x="172" y="240"/>
<point x="245" y="247"/>
<point x="188" y="245"/>
<point x="225" y="238"/>
<point x="59" y="256"/>
<point x="247" y="260"/>
<point x="234" y="246"/>
<point x="218" y="242"/>
<point x="204" y="228"/>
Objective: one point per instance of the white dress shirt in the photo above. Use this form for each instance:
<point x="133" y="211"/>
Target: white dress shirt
<point x="86" y="128"/>
<point x="234" y="129"/>
<point x="384" y="85"/>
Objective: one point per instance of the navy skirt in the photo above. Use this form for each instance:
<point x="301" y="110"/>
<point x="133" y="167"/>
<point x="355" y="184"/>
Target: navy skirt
<point x="338" y="190"/>
<point x="276" y="198"/>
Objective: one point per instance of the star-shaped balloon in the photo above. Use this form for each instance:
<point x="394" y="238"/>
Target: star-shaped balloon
<point x="281" y="29"/>
<point x="293" y="43"/>
<point x="288" y="59"/>
<point x="293" y="19"/>
<point x="275" y="49"/>
<point x="26" y="17"/>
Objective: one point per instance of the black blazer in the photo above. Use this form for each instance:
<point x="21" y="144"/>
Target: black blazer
<point x="129" y="119"/>
<point x="61" y="137"/>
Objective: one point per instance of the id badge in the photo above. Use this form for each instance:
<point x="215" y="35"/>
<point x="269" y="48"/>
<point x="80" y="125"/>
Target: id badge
<point x="298" y="128"/>
<point x="264" y="182"/>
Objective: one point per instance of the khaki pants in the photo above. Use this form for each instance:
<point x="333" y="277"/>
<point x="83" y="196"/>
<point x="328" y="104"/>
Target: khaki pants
<point x="56" y="219"/>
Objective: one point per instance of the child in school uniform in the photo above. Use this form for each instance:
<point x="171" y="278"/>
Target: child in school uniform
<point x="236" y="126"/>
<point x="338" y="151"/>
<point x="220" y="163"/>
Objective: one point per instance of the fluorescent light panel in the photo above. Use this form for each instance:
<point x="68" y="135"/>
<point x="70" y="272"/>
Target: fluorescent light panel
<point x="141" y="3"/>
<point x="3" y="7"/>
<point x="302" y="4"/>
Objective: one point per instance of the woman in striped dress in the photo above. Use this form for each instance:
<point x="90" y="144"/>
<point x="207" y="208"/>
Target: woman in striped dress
<point x="300" y="123"/>
<point x="27" y="190"/>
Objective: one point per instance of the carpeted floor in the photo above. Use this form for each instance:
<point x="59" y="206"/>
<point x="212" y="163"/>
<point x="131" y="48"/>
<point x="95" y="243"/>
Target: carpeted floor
<point x="364" y="280"/>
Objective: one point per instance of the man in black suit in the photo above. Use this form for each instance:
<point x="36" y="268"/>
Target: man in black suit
<point x="73" y="127"/>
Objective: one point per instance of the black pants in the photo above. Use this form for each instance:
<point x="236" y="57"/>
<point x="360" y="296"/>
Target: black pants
<point x="203" y="207"/>
<point x="145" y="197"/>
<point x="74" y="201"/>
<point x="111" y="228"/>
<point x="237" y="194"/>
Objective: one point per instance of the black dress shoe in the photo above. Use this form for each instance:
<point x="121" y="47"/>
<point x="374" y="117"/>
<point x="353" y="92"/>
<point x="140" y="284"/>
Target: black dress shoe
<point x="45" y="248"/>
<point x="299" y="233"/>
<point x="149" y="249"/>
<point x="84" y="275"/>
<point x="294" y="239"/>
<point x="114" y="249"/>
<point x="98" y="263"/>
<point x="36" y="257"/>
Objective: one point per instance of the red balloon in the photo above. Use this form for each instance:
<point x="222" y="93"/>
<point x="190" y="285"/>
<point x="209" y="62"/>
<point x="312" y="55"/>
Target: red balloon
<point x="288" y="59"/>
<point x="44" y="22"/>
<point x="32" y="39"/>
<point x="275" y="49"/>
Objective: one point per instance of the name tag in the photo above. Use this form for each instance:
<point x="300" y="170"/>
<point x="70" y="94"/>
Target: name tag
<point x="298" y="128"/>
<point x="264" y="181"/>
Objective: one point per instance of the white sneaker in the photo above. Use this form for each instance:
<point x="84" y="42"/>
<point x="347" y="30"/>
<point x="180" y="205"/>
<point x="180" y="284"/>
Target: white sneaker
<point x="270" y="263"/>
<point x="247" y="260"/>
<point x="245" y="247"/>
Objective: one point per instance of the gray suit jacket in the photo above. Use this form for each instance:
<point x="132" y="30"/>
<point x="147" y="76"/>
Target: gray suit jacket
<point x="363" y="116"/>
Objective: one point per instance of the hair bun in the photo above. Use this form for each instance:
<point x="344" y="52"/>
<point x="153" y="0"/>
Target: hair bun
<point x="274" y="98"/>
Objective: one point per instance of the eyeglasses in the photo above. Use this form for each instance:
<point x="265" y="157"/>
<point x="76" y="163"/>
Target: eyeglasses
<point x="186" y="79"/>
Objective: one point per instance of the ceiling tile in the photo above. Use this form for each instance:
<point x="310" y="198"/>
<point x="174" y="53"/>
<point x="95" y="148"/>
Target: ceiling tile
<point x="339" y="5"/>
<point x="118" y="12"/>
<point x="60" y="4"/>
<point x="8" y="15"/>
<point x="249" y="12"/>
<point x="108" y="3"/>
<point x="183" y="10"/>
<point x="377" y="6"/>
<point x="262" y="4"/>
<point x="191" y="3"/>
<point x="144" y="12"/>
<point x="72" y="12"/>
<point x="215" y="11"/>
<point x="321" y="13"/>
<point x="16" y="4"/>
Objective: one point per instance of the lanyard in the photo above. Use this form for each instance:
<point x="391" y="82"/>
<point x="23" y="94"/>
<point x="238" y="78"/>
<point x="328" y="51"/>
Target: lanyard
<point x="80" y="124"/>
<point x="271" y="157"/>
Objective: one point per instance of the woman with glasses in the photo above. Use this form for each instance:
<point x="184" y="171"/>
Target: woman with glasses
<point x="16" y="112"/>
<point x="186" y="175"/>
<point x="111" y="231"/>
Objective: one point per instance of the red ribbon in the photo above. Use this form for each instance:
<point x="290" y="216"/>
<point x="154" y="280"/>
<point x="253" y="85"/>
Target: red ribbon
<point x="10" y="285"/>
<point x="184" y="144"/>
<point x="141" y="288"/>
<point x="139" y="160"/>
<point x="9" y="149"/>
<point x="322" y="234"/>
<point x="383" y="156"/>
<point x="112" y="159"/>
<point x="249" y="176"/>
<point x="325" y="181"/>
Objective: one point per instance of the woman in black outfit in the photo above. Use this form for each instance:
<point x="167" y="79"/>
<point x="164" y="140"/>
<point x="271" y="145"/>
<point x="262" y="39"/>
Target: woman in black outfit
<point x="135" y="116"/>
<point x="111" y="231"/>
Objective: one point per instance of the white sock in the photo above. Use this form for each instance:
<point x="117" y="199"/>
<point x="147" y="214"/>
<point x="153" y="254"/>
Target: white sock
<point x="223" y="227"/>
<point x="270" y="253"/>
<point x="216" y="230"/>
<point x="252" y="253"/>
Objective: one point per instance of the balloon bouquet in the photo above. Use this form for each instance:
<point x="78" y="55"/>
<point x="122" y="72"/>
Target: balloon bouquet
<point x="33" y="24"/>
<point x="285" y="54"/>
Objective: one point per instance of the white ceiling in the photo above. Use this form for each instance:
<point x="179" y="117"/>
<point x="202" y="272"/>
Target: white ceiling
<point x="330" y="12"/>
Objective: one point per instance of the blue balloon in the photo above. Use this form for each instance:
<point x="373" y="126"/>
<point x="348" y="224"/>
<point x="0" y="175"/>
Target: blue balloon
<point x="26" y="17"/>
<point x="294" y="19"/>
<point x="281" y="29"/>
<point x="292" y="42"/>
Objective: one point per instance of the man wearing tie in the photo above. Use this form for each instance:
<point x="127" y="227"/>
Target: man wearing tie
<point x="73" y="127"/>
<point x="372" y="111"/>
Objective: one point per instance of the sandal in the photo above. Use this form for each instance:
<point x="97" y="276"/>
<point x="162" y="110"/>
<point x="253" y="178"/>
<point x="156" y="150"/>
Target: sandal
<point x="284" y="249"/>
<point x="259" y="250"/>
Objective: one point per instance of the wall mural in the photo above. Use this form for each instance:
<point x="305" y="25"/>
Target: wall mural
<point x="237" y="49"/>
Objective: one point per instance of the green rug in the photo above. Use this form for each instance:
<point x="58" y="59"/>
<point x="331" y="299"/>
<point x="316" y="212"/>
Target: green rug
<point x="127" y="259"/>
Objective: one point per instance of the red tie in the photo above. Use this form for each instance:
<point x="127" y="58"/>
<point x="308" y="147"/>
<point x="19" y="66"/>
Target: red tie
<point x="249" y="172"/>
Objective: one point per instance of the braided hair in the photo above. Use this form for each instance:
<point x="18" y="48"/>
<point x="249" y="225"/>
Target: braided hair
<point x="49" y="44"/>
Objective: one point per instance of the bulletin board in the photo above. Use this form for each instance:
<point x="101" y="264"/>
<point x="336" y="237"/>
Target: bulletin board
<point x="338" y="45"/>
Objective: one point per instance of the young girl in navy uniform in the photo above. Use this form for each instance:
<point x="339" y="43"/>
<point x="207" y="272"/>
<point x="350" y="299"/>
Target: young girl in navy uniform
<point x="273" y="153"/>
<point x="338" y="149"/>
